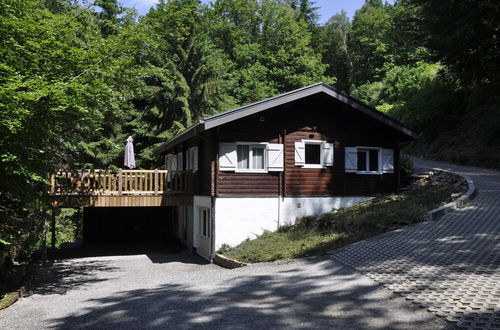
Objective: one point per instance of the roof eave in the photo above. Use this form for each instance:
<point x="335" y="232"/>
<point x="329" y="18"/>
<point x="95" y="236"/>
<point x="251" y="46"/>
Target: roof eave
<point x="256" y="107"/>
<point x="186" y="135"/>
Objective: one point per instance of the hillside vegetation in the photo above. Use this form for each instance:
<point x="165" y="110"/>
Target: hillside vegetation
<point x="78" y="77"/>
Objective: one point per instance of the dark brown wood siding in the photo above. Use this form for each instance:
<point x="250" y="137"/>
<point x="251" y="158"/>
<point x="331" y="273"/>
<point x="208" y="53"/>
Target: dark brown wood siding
<point x="206" y="157"/>
<point x="315" y="118"/>
<point x="262" y="184"/>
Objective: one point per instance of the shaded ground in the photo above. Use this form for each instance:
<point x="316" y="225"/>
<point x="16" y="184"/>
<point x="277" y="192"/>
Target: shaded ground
<point x="184" y="292"/>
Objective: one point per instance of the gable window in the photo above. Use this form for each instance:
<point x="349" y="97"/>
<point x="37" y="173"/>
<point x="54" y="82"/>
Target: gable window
<point x="250" y="157"/>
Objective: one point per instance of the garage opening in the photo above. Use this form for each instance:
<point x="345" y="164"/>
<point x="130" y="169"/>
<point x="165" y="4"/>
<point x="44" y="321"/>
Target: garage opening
<point x="130" y="225"/>
<point x="161" y="233"/>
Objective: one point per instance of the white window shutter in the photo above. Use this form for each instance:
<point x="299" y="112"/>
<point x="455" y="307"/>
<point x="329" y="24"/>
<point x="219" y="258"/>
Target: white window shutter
<point x="351" y="160"/>
<point x="227" y="156"/>
<point x="167" y="162"/>
<point x="180" y="163"/>
<point x="387" y="161"/>
<point x="300" y="154"/>
<point x="194" y="157"/>
<point x="327" y="153"/>
<point x="189" y="161"/>
<point x="275" y="157"/>
<point x="173" y="163"/>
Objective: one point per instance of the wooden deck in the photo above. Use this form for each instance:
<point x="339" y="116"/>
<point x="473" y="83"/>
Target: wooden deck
<point x="122" y="188"/>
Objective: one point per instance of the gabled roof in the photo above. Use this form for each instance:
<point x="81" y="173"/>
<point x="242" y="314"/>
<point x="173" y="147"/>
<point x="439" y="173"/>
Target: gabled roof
<point x="250" y="109"/>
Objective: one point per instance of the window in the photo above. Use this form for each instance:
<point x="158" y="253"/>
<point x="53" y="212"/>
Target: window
<point x="192" y="159"/>
<point x="368" y="160"/>
<point x="251" y="157"/>
<point x="204" y="222"/>
<point x="313" y="154"/>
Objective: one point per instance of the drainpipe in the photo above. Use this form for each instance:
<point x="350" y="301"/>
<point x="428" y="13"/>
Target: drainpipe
<point x="212" y="228"/>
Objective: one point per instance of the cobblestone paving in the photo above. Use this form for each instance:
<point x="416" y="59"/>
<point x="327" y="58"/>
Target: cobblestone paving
<point x="450" y="266"/>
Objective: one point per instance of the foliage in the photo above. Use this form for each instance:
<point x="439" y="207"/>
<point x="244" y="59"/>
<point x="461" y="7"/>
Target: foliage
<point x="68" y="226"/>
<point x="318" y="234"/>
<point x="268" y="49"/>
<point x="335" y="49"/>
<point x="465" y="37"/>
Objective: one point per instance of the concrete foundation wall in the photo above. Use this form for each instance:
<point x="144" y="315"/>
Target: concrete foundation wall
<point x="237" y="219"/>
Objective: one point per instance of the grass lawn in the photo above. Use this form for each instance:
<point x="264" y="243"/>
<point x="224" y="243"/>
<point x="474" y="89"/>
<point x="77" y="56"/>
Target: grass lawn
<point x="316" y="235"/>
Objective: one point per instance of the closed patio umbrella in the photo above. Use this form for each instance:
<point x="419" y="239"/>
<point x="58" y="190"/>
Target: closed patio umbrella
<point x="129" y="154"/>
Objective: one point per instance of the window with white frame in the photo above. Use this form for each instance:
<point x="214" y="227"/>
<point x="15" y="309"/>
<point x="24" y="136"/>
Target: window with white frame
<point x="369" y="160"/>
<point x="250" y="157"/>
<point x="192" y="159"/>
<point x="204" y="222"/>
<point x="313" y="153"/>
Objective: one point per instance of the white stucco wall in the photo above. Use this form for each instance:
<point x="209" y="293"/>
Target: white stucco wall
<point x="198" y="201"/>
<point x="236" y="219"/>
<point x="239" y="218"/>
<point x="293" y="207"/>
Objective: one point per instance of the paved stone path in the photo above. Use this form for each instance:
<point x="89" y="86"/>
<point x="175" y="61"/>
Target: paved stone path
<point x="450" y="266"/>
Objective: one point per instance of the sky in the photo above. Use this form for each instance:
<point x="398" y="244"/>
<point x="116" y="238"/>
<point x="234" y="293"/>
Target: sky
<point x="327" y="8"/>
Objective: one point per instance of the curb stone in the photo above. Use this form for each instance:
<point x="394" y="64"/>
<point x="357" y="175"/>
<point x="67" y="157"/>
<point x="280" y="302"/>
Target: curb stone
<point x="11" y="297"/>
<point x="228" y="263"/>
<point x="457" y="203"/>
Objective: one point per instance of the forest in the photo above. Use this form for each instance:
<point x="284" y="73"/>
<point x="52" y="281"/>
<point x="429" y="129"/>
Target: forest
<point x="77" y="78"/>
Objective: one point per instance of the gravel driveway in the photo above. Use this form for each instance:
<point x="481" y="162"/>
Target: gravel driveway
<point x="180" y="292"/>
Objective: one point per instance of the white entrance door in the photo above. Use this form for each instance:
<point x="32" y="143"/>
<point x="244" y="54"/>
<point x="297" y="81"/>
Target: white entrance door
<point x="204" y="233"/>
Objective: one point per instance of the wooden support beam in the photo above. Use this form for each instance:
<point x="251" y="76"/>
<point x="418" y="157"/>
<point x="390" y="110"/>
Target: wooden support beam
<point x="44" y="237"/>
<point x="53" y="229"/>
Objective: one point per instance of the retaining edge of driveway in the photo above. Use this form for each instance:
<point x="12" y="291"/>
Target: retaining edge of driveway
<point x="227" y="262"/>
<point x="458" y="203"/>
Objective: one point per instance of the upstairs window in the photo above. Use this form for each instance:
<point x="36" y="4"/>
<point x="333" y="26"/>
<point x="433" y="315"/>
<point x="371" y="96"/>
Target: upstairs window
<point x="312" y="153"/>
<point x="368" y="160"/>
<point x="250" y="157"/>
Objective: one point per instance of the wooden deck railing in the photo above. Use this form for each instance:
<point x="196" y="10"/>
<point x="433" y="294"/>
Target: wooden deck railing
<point x="122" y="182"/>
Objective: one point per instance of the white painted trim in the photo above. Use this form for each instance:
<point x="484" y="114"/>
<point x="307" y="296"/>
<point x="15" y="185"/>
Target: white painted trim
<point x="321" y="158"/>
<point x="250" y="154"/>
<point x="313" y="166"/>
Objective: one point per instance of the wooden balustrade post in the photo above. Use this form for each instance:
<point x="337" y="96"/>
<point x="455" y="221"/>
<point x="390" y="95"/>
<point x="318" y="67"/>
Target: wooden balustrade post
<point x="120" y="184"/>
<point x="157" y="183"/>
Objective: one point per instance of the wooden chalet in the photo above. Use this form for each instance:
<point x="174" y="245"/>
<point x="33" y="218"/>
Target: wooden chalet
<point x="260" y="166"/>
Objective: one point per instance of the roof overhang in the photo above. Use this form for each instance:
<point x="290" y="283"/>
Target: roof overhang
<point x="253" y="108"/>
